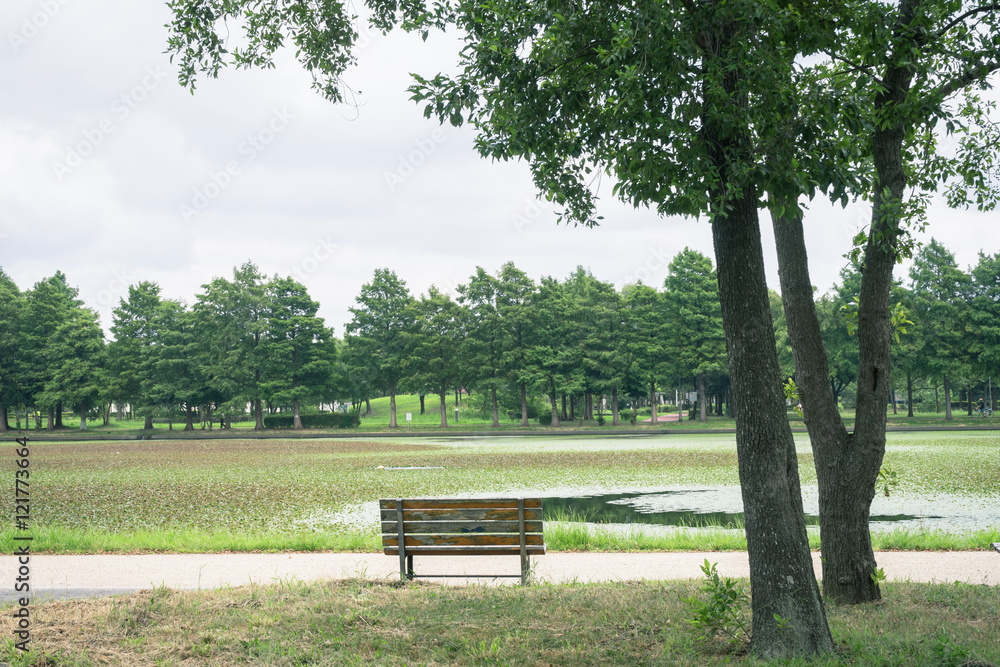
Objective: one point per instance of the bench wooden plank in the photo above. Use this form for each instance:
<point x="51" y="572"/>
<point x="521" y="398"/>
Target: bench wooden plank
<point x="462" y="514"/>
<point x="471" y="503"/>
<point x="533" y="539"/>
<point x="482" y="527"/>
<point x="467" y="551"/>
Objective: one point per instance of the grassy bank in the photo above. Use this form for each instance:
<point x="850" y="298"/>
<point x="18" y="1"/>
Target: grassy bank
<point x="367" y="623"/>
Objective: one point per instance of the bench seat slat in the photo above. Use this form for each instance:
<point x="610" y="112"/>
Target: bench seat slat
<point x="480" y="527"/>
<point x="470" y="503"/>
<point x="466" y="551"/>
<point x="533" y="539"/>
<point x="463" y="514"/>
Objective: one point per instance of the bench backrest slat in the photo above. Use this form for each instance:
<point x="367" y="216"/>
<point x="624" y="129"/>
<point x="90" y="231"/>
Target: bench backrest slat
<point x="463" y="514"/>
<point x="482" y="527"/>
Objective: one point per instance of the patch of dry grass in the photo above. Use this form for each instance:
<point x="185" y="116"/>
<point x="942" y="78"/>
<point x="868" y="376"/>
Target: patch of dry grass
<point x="360" y="622"/>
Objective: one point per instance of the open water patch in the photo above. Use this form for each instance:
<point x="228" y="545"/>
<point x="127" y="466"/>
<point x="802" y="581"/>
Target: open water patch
<point x="722" y="507"/>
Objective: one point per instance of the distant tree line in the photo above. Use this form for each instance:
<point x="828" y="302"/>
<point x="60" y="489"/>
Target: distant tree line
<point x="253" y="343"/>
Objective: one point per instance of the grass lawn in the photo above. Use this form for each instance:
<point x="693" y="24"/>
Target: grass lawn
<point x="304" y="495"/>
<point x="360" y="622"/>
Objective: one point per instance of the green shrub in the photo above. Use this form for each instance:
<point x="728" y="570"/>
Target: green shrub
<point x="326" y="420"/>
<point x="545" y="418"/>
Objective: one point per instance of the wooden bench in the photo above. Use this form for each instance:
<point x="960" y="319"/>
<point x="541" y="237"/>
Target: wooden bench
<point x="456" y="527"/>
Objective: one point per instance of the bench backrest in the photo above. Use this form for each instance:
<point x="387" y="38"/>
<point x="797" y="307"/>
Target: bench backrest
<point x="475" y="526"/>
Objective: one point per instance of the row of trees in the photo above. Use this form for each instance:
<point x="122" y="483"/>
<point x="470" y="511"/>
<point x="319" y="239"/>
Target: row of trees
<point x="245" y="341"/>
<point x="256" y="341"/>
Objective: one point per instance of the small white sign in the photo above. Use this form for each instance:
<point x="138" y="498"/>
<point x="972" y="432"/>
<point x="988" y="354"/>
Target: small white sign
<point x="409" y="416"/>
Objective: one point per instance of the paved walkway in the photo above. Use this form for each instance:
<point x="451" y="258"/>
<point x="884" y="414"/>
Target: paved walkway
<point x="95" y="575"/>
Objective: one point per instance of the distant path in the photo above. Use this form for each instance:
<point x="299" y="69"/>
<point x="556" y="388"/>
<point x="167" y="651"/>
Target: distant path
<point x="543" y="432"/>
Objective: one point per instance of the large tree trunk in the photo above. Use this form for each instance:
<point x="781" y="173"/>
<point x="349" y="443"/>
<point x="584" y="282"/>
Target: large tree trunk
<point x="392" y="407"/>
<point x="296" y="416"/>
<point x="909" y="395"/>
<point x="368" y="406"/>
<point x="590" y="406"/>
<point x="147" y="424"/>
<point x="189" y="414"/>
<point x="614" y="407"/>
<point x="50" y="424"/>
<point x="652" y="401"/>
<point x="555" y="407"/>
<point x="422" y="396"/>
<point x="258" y="412"/>
<point x="59" y="411"/>
<point x="83" y="418"/>
<point x="4" y="426"/>
<point x="496" y="410"/>
<point x="782" y="581"/>
<point x="444" y="407"/>
<point x="702" y="403"/>
<point x="947" y="399"/>
<point x="524" y="404"/>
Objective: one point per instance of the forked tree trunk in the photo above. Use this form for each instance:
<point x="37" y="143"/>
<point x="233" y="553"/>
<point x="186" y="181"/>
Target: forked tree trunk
<point x="524" y="404"/>
<point x="845" y="494"/>
<point x="782" y="581"/>
<point x="496" y="409"/>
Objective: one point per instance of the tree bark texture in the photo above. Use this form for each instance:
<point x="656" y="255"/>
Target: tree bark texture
<point x="845" y="491"/>
<point x="258" y="412"/>
<point x="555" y="409"/>
<point x="614" y="407"/>
<point x="652" y="401"/>
<point x="496" y="410"/>
<point x="422" y="403"/>
<point x="444" y="408"/>
<point x="947" y="399"/>
<point x="524" y="404"/>
<point x="392" y="407"/>
<point x="296" y="417"/>
<point x="909" y="395"/>
<point x="782" y="581"/>
<point x="702" y="399"/>
<point x="189" y="414"/>
<point x="4" y="426"/>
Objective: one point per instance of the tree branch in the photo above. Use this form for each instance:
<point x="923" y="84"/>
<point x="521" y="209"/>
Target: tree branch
<point x="958" y="19"/>
<point x="970" y="76"/>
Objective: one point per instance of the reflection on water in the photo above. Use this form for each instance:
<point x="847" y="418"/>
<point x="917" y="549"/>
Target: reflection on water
<point x="721" y="507"/>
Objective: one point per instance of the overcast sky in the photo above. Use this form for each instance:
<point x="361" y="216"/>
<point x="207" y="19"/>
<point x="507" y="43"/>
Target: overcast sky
<point x="113" y="173"/>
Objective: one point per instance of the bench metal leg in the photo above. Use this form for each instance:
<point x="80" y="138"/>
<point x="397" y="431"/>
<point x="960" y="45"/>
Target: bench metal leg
<point x="409" y="568"/>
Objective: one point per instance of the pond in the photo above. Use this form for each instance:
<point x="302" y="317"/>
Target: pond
<point x="723" y="507"/>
